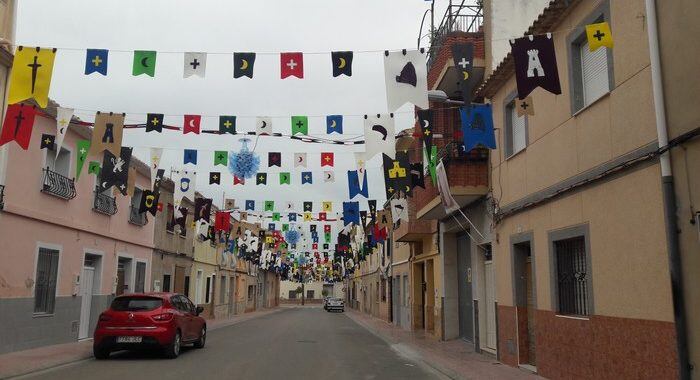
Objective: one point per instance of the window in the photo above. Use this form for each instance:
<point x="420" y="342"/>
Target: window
<point x="590" y="72"/>
<point x="516" y="128"/>
<point x="187" y="286"/>
<point x="166" y="283"/>
<point x="222" y="291"/>
<point x="58" y="163"/>
<point x="310" y="294"/>
<point x="251" y="292"/>
<point x="45" y="281"/>
<point x="572" y="276"/>
<point x="136" y="303"/>
<point x="594" y="73"/>
<point x="170" y="217"/>
<point x="292" y="294"/>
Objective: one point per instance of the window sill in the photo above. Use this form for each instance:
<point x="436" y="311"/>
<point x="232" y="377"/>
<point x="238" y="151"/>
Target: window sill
<point x="42" y="315"/>
<point x="516" y="153"/>
<point x="591" y="104"/>
<point x="572" y="317"/>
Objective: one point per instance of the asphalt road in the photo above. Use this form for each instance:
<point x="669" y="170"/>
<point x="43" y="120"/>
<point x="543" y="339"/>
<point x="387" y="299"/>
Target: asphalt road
<point x="295" y="343"/>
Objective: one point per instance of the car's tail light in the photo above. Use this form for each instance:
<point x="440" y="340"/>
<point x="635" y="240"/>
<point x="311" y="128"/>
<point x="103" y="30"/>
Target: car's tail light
<point x="162" y="317"/>
<point x="105" y="317"/>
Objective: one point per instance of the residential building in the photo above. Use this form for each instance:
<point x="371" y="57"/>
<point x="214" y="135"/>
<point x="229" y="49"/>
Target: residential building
<point x="371" y="280"/>
<point x="205" y="270"/>
<point x="246" y="290"/>
<point x="452" y="287"/>
<point x="681" y="85"/>
<point x="173" y="254"/>
<point x="314" y="291"/>
<point x="71" y="248"/>
<point x="579" y="238"/>
<point x="400" y="279"/>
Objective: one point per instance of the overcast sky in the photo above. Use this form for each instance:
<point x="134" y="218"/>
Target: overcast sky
<point x="266" y="27"/>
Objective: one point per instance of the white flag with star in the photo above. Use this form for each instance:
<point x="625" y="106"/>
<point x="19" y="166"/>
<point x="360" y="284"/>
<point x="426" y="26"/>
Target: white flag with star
<point x="156" y="154"/>
<point x="195" y="64"/>
<point x="63" y="118"/>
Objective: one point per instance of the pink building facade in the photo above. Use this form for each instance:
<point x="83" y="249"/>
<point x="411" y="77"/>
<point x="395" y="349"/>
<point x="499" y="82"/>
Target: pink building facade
<point x="66" y="250"/>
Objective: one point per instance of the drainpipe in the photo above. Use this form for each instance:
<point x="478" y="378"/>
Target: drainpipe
<point x="669" y="198"/>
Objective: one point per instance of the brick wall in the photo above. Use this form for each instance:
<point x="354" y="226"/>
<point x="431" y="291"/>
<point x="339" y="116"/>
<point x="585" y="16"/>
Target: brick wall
<point x="444" y="55"/>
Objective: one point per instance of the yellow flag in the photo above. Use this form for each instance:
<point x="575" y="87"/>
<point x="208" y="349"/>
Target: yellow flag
<point x="31" y="75"/>
<point x="308" y="217"/>
<point x="328" y="206"/>
<point x="599" y="35"/>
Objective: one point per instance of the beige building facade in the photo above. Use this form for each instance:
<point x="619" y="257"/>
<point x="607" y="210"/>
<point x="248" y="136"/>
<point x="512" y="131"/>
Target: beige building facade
<point x="579" y="243"/>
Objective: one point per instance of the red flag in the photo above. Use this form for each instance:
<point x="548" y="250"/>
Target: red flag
<point x="292" y="64"/>
<point x="191" y="124"/>
<point x="238" y="181"/>
<point x="327" y="159"/>
<point x="327" y="228"/>
<point x="379" y="233"/>
<point x="223" y="221"/>
<point x="321" y="216"/>
<point x="315" y="246"/>
<point x="19" y="121"/>
<point x="160" y="207"/>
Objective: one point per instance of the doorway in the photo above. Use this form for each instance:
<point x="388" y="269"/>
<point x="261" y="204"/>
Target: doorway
<point x="464" y="288"/>
<point x="179" y="286"/>
<point x="490" y="299"/>
<point x="124" y="274"/>
<point x="524" y="281"/>
<point x="419" y="287"/>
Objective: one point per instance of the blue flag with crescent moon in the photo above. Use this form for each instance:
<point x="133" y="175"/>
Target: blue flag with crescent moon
<point x="351" y="212"/>
<point x="477" y="126"/>
<point x="354" y="185"/>
<point x="250" y="205"/>
<point x="96" y="61"/>
<point x="334" y="123"/>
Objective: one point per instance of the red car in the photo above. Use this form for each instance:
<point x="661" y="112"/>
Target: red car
<point x="163" y="321"/>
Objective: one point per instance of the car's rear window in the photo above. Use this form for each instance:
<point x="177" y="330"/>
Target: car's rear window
<point x="136" y="303"/>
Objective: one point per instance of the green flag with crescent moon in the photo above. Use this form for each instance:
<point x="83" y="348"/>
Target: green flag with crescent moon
<point x="82" y="147"/>
<point x="144" y="63"/>
<point x="284" y="178"/>
<point x="432" y="164"/>
<point x="94" y="168"/>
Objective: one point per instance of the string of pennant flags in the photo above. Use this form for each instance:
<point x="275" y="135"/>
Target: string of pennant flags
<point x="405" y="80"/>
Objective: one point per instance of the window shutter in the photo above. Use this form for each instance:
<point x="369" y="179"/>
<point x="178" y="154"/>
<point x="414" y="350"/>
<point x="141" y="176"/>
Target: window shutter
<point x="519" y="140"/>
<point x="594" y="76"/>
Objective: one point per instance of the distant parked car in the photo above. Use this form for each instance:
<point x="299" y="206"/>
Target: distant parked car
<point x="325" y="302"/>
<point x="335" y="304"/>
<point x="162" y="321"/>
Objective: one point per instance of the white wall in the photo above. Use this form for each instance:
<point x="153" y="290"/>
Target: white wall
<point x="508" y="19"/>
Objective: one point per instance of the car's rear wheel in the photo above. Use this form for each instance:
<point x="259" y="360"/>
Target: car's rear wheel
<point x="100" y="353"/>
<point x="173" y="350"/>
<point x="199" y="343"/>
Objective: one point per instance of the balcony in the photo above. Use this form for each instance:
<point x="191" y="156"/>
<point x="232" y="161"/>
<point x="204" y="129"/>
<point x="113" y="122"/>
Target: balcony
<point x="104" y="204"/>
<point x="136" y="217"/>
<point x="457" y="18"/>
<point x="58" y="185"/>
<point x="2" y="197"/>
<point x="468" y="176"/>
<point x="413" y="230"/>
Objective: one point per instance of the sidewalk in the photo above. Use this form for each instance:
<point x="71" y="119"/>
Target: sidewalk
<point x="455" y="359"/>
<point x="24" y="362"/>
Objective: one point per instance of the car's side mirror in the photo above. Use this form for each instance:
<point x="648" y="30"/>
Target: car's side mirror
<point x="199" y="310"/>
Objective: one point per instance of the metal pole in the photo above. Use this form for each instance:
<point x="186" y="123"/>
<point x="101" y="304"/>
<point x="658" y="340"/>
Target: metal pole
<point x="432" y="21"/>
<point x="669" y="196"/>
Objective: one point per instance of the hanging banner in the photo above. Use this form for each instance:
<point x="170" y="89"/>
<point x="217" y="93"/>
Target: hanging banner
<point x="406" y="77"/>
<point x="380" y="135"/>
<point x="30" y="77"/>
<point x="63" y="119"/>
<point x="448" y="201"/>
<point x="535" y="64"/>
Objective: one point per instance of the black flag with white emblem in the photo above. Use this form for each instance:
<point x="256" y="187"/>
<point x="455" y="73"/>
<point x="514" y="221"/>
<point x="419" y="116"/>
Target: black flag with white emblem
<point x="115" y="170"/>
<point x="535" y="64"/>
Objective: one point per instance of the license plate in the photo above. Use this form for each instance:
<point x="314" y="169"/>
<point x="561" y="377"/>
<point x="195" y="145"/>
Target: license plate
<point x="129" y="339"/>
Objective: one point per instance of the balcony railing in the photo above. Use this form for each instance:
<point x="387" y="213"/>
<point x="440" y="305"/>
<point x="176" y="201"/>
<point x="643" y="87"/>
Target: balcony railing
<point x="457" y="18"/>
<point x="136" y="217"/>
<point x="2" y="197"/>
<point x="58" y="185"/>
<point x="104" y="204"/>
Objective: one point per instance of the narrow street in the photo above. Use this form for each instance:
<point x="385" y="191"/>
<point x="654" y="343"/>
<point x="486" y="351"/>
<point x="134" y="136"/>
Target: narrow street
<point x="296" y="343"/>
